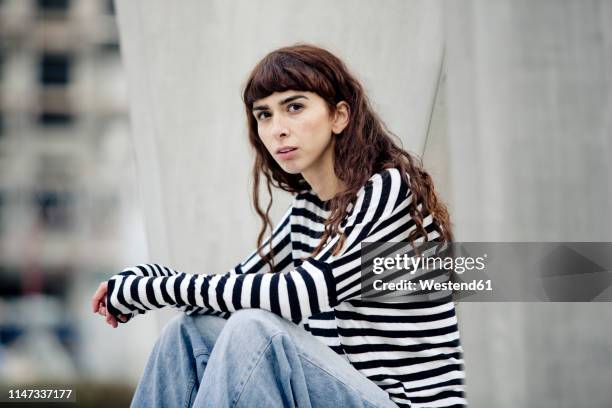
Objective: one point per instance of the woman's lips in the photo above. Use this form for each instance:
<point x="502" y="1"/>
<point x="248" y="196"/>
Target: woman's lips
<point x="287" y="154"/>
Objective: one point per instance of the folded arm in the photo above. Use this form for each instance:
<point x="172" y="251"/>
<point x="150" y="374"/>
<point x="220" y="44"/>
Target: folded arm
<point x="317" y="285"/>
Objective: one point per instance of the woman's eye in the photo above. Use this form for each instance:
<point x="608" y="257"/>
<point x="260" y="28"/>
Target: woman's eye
<point x="261" y="115"/>
<point x="294" y="107"/>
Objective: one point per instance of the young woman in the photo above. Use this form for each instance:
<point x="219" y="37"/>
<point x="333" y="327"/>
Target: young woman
<point x="286" y="326"/>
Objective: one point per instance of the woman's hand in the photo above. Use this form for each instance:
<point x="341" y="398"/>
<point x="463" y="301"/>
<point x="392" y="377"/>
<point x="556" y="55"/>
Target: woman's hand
<point x="98" y="303"/>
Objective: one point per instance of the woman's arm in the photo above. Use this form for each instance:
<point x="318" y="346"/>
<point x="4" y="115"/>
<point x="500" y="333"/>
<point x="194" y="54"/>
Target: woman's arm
<point x="317" y="285"/>
<point x="253" y="263"/>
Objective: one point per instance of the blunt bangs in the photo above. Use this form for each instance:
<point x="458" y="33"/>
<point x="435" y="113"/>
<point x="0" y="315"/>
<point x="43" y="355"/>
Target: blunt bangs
<point x="280" y="72"/>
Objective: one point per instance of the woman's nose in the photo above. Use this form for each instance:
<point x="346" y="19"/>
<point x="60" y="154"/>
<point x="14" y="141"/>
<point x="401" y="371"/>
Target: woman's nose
<point x="279" y="127"/>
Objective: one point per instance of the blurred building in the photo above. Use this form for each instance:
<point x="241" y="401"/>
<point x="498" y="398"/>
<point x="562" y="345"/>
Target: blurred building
<point x="65" y="180"/>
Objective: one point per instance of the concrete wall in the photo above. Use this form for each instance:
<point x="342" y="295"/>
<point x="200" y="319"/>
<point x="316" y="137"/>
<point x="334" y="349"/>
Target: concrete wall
<point x="529" y="124"/>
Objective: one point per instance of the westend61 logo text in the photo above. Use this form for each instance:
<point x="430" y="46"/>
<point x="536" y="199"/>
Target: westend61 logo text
<point x="456" y="264"/>
<point x="486" y="271"/>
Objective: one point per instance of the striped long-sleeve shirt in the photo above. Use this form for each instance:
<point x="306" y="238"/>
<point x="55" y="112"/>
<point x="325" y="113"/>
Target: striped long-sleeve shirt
<point x="410" y="350"/>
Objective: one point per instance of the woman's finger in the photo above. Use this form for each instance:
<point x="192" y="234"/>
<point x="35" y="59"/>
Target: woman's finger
<point x="98" y="296"/>
<point x="95" y="300"/>
<point x="112" y="321"/>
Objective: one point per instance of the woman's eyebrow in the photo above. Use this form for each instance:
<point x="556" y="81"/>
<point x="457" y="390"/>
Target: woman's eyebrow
<point x="283" y="102"/>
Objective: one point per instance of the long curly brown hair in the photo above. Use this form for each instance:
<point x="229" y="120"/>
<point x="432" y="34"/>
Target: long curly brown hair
<point x="363" y="148"/>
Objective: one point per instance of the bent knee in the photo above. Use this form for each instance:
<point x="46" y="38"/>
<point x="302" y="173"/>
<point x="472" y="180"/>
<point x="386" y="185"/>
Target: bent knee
<point x="175" y="325"/>
<point x="254" y="314"/>
<point x="255" y="321"/>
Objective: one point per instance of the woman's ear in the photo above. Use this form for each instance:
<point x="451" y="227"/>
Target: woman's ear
<point x="341" y="117"/>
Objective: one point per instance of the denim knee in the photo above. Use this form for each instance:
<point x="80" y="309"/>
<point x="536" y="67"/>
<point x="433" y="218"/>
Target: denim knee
<point x="171" y="332"/>
<point x="174" y="325"/>
<point x="254" y="322"/>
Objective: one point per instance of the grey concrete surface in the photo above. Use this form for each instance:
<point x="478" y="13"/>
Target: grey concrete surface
<point x="529" y="122"/>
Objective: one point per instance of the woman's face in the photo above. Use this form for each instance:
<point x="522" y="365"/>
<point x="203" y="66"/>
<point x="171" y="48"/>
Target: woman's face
<point x="296" y="127"/>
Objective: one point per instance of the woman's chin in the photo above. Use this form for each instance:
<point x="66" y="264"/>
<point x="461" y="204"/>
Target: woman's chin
<point x="290" y="168"/>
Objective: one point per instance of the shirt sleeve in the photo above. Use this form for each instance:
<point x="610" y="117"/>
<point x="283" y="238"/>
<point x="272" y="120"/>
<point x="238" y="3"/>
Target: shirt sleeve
<point x="317" y="285"/>
<point x="253" y="263"/>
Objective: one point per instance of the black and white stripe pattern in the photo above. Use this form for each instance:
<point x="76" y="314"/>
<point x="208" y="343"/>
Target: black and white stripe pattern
<point x="410" y="350"/>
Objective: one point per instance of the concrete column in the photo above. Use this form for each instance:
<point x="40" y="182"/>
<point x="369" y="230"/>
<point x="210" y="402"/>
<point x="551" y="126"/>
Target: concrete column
<point x="530" y="119"/>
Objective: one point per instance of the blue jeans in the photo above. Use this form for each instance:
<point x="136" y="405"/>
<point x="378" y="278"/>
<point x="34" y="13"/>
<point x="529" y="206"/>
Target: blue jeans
<point x="253" y="359"/>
